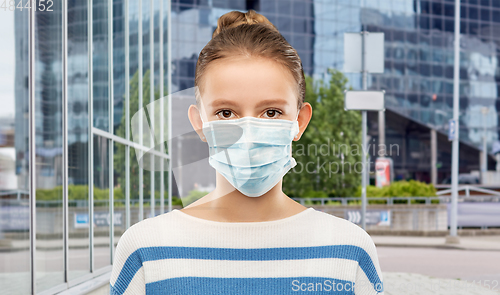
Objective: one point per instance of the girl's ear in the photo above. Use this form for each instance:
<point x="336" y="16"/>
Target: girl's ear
<point x="195" y="119"/>
<point x="304" y="117"/>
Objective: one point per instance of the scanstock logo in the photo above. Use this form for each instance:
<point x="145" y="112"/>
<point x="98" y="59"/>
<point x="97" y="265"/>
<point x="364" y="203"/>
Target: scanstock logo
<point x="152" y="137"/>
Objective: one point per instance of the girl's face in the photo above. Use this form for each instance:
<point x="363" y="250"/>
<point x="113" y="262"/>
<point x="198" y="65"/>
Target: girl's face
<point x="241" y="87"/>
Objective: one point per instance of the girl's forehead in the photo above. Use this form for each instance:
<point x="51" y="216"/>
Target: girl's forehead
<point x="248" y="80"/>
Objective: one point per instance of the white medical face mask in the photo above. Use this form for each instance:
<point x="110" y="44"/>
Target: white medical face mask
<point x="253" y="154"/>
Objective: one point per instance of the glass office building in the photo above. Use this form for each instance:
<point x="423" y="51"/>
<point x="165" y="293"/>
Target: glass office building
<point x="73" y="73"/>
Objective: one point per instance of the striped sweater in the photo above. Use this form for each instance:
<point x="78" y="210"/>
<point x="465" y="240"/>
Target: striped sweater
<point x="311" y="252"/>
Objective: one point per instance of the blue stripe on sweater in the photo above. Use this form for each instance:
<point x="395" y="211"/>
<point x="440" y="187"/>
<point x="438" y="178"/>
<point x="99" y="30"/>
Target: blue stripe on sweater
<point x="134" y="261"/>
<point x="261" y="286"/>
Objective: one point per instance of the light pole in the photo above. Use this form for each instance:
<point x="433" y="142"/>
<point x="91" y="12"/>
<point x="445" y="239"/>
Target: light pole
<point x="484" y="155"/>
<point x="453" y="238"/>
<point x="364" y="171"/>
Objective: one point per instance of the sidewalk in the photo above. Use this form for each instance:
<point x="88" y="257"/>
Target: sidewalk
<point x="485" y="243"/>
<point x="397" y="283"/>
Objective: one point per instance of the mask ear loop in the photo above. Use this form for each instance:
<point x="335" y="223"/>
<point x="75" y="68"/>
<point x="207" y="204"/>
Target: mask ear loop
<point x="297" y="132"/>
<point x="202" y="126"/>
<point x="297" y="123"/>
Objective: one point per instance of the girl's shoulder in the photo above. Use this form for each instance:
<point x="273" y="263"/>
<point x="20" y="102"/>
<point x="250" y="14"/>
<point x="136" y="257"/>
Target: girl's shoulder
<point x="339" y="230"/>
<point x="147" y="231"/>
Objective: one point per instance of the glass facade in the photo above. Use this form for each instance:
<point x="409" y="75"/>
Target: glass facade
<point x="70" y="184"/>
<point x="15" y="149"/>
<point x="65" y="142"/>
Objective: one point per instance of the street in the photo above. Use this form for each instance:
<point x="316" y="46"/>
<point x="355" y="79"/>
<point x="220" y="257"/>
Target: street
<point x="409" y="270"/>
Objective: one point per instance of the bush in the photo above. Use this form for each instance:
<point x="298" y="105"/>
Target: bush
<point x="315" y="194"/>
<point x="411" y="188"/>
<point x="176" y="201"/>
<point x="312" y="194"/>
<point x="81" y="192"/>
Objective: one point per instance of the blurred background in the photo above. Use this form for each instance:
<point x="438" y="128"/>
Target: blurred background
<point x="74" y="73"/>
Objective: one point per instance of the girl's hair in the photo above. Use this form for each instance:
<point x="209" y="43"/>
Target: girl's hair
<point x="250" y="34"/>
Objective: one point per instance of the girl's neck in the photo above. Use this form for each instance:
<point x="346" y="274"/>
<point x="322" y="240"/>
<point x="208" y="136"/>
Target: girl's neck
<point x="227" y="204"/>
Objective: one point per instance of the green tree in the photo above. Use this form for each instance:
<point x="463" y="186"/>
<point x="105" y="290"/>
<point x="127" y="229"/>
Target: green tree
<point x="329" y="150"/>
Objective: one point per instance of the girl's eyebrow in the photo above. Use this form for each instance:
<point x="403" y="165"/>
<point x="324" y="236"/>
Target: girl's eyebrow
<point x="273" y="101"/>
<point x="222" y="102"/>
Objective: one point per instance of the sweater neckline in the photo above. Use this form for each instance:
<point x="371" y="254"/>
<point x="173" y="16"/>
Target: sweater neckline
<point x="244" y="223"/>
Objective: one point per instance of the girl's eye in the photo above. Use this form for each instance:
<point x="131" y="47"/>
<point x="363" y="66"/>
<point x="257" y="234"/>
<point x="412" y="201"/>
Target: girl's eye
<point x="225" y="114"/>
<point x="272" y="113"/>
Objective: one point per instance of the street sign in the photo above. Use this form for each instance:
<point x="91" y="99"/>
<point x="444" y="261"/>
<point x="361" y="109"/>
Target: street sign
<point x="452" y="129"/>
<point x="374" y="54"/>
<point x="374" y="217"/>
<point x="364" y="100"/>
<point x="354" y="216"/>
<point x="81" y="220"/>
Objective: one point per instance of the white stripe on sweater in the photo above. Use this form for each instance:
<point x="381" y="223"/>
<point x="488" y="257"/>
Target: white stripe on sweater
<point x="173" y="268"/>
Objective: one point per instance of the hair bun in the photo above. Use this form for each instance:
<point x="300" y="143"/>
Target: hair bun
<point x="235" y="18"/>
